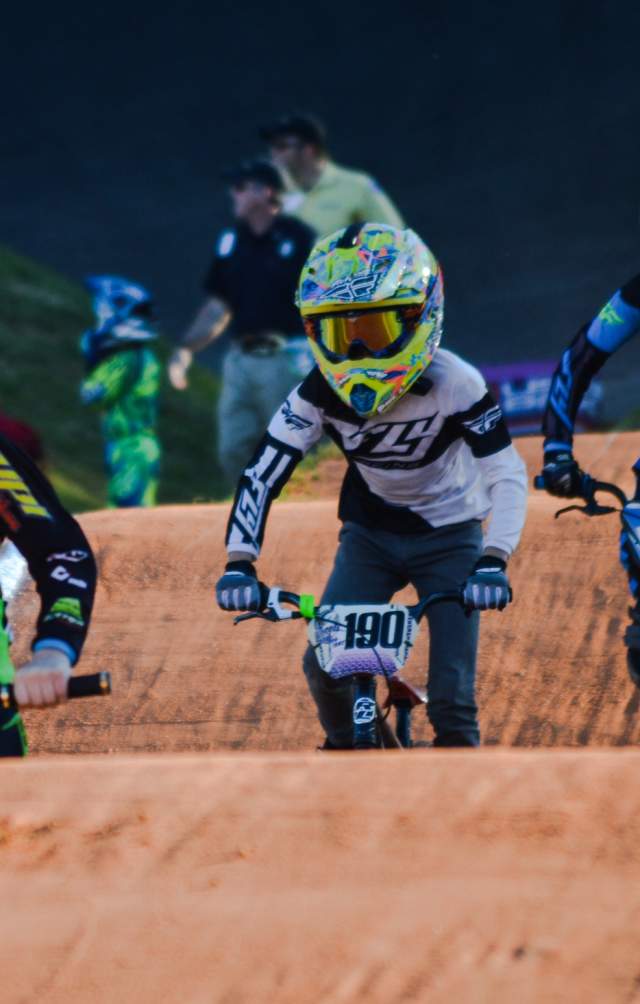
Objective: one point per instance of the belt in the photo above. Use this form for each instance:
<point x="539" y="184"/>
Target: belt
<point x="261" y="345"/>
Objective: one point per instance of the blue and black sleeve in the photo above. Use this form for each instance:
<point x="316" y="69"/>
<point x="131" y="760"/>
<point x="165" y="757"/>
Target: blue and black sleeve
<point x="617" y="322"/>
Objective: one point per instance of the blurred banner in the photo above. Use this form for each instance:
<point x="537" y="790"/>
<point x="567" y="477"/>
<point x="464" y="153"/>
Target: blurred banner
<point x="522" y="389"/>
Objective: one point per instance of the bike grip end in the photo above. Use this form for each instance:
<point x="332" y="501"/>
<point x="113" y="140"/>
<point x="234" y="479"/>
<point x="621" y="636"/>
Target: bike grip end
<point x="91" y="685"/>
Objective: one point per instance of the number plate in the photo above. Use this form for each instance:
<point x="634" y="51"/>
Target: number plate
<point x="363" y="638"/>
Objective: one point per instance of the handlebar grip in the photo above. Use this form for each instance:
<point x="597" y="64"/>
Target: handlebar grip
<point x="287" y="597"/>
<point x="89" y="685"/>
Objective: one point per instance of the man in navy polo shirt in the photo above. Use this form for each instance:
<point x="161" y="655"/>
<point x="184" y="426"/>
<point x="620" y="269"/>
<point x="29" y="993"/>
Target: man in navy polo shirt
<point x="250" y="284"/>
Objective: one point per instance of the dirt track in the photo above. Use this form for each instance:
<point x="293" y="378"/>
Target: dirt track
<point x="426" y="877"/>
<point x="490" y="876"/>
<point x="551" y="667"/>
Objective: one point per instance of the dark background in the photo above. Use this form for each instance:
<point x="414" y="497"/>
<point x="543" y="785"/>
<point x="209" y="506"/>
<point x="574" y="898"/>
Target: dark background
<point x="506" y="133"/>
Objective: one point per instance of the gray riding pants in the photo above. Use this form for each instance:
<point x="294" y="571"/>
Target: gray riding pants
<point x="370" y="566"/>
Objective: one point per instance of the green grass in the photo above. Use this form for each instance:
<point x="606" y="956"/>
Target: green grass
<point x="42" y="315"/>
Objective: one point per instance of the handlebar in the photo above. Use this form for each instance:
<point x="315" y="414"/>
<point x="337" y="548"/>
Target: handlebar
<point x="305" y="605"/>
<point x="274" y="611"/>
<point x="89" y="685"/>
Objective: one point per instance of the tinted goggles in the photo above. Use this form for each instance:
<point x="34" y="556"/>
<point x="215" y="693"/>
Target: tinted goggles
<point x="376" y="334"/>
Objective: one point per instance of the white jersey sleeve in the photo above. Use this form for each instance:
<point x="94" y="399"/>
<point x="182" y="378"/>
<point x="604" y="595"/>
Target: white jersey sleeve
<point x="502" y="469"/>
<point x="505" y="478"/>
<point x="293" y="430"/>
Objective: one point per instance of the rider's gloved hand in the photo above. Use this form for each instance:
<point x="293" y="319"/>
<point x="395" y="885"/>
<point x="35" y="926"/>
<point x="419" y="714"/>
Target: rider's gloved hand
<point x="561" y="474"/>
<point x="487" y="588"/>
<point x="178" y="366"/>
<point x="239" y="588"/>
<point x="43" y="680"/>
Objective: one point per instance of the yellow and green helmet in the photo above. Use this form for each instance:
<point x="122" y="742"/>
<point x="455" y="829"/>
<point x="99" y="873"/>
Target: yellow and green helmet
<point x="372" y="302"/>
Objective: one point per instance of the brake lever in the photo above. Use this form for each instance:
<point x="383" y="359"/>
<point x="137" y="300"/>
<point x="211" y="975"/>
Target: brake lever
<point x="270" y="616"/>
<point x="592" y="508"/>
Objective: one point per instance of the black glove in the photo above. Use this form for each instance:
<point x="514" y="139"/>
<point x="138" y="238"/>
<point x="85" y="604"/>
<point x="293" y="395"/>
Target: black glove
<point x="487" y="588"/>
<point x="239" y="589"/>
<point x="561" y="474"/>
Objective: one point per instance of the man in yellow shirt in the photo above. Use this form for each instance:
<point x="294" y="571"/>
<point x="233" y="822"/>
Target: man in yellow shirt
<point x="326" y="196"/>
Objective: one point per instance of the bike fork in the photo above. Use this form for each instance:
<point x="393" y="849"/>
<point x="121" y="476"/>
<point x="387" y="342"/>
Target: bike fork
<point x="365" y="728"/>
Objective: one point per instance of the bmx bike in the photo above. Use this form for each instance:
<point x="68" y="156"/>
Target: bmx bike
<point x="360" y="642"/>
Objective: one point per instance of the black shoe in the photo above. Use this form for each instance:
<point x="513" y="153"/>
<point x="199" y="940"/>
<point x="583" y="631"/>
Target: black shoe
<point x="632" y="641"/>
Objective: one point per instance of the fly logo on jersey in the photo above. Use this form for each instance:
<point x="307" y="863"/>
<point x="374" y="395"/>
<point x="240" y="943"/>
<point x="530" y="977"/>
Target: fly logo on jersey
<point x="13" y="485"/>
<point x="292" y="420"/>
<point x="608" y="314"/>
<point x="259" y="482"/>
<point x="75" y="555"/>
<point x="390" y="439"/>
<point x="486" y="422"/>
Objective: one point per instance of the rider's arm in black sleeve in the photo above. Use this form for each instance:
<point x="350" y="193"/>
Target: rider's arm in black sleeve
<point x="293" y="430"/>
<point x="56" y="550"/>
<point x="617" y="322"/>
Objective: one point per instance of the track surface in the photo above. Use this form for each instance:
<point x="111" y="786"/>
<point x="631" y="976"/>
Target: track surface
<point x="429" y="877"/>
<point x="479" y="876"/>
<point x="552" y="666"/>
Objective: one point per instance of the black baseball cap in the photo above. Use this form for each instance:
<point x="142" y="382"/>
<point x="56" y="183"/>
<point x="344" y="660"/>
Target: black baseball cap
<point x="305" y="127"/>
<point x="257" y="169"/>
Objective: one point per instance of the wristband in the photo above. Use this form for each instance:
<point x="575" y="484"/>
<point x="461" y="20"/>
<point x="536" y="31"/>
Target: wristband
<point x="245" y="567"/>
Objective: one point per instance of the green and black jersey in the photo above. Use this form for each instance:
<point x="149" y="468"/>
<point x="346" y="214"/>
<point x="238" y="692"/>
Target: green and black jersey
<point x="58" y="555"/>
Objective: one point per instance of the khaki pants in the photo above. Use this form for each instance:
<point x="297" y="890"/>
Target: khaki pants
<point x="253" y="388"/>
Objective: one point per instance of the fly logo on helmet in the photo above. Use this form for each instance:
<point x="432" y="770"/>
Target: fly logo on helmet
<point x="371" y="299"/>
<point x="350" y="290"/>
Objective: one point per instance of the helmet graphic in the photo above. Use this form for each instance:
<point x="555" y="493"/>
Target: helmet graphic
<point x="372" y="302"/>
<point x="123" y="312"/>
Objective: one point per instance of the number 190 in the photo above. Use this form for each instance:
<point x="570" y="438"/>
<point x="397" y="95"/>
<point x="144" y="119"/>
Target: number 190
<point x="369" y="628"/>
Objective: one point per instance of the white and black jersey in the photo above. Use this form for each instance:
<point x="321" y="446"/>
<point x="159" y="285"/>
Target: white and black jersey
<point x="441" y="455"/>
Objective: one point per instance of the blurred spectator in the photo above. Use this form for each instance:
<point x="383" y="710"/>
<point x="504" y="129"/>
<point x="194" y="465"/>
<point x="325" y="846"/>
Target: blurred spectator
<point x="328" y="197"/>
<point x="23" y="436"/>
<point x="123" y="379"/>
<point x="251" y="282"/>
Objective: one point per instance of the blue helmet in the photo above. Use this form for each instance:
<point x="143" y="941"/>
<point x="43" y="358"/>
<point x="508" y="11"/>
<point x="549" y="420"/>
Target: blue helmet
<point x="124" y="314"/>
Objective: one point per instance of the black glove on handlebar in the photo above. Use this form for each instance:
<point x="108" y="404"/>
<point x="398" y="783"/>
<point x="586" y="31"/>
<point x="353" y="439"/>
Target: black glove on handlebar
<point x="562" y="476"/>
<point x="487" y="588"/>
<point x="239" y="588"/>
